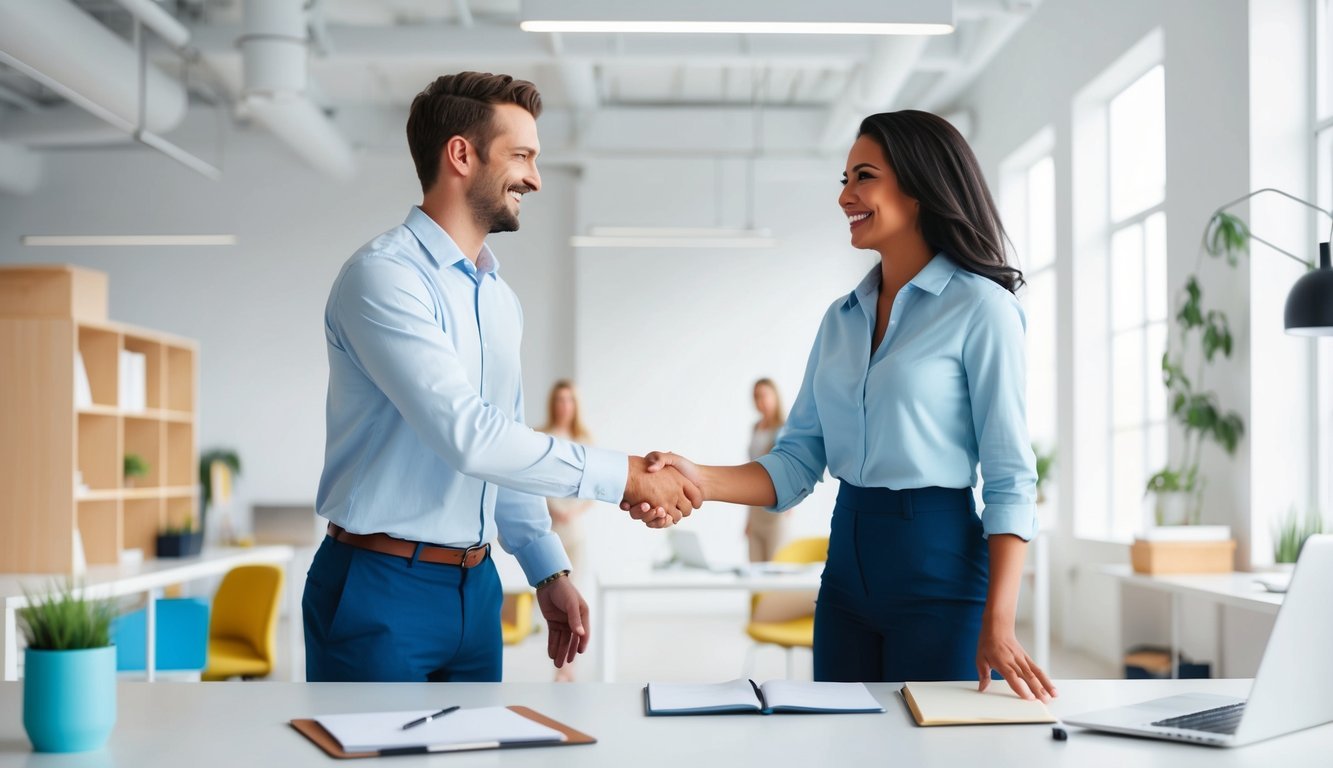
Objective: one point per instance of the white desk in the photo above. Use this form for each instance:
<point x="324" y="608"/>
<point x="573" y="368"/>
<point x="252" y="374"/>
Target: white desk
<point x="244" y="724"/>
<point x="147" y="578"/>
<point x="613" y="585"/>
<point x="1235" y="589"/>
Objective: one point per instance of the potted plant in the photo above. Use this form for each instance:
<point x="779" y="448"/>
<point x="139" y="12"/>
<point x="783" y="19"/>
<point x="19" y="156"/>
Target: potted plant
<point x="1290" y="535"/>
<point x="217" y="468"/>
<point x="1045" y="463"/>
<point x="69" y="671"/>
<point x="1178" y="487"/>
<point x="182" y="540"/>
<point x="135" y="466"/>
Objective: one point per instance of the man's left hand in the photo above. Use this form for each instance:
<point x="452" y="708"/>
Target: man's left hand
<point x="566" y="614"/>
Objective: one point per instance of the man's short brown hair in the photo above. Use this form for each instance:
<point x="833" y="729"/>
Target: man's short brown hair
<point x="461" y="105"/>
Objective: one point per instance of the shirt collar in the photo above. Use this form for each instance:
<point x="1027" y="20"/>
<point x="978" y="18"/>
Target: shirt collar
<point x="932" y="277"/>
<point x="442" y="249"/>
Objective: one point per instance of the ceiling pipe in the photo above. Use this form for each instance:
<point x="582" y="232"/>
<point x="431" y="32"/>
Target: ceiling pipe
<point x="20" y="169"/>
<point x="274" y="56"/>
<point x="873" y="89"/>
<point x="151" y="15"/>
<point x="997" y="30"/>
<point x="58" y="42"/>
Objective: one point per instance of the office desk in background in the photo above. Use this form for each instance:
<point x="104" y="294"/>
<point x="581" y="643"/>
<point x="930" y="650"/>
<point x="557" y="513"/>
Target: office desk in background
<point x="245" y="724"/>
<point x="1236" y="589"/>
<point x="615" y="584"/>
<point x="148" y="578"/>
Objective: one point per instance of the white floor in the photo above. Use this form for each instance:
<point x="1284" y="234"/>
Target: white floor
<point x="702" y="647"/>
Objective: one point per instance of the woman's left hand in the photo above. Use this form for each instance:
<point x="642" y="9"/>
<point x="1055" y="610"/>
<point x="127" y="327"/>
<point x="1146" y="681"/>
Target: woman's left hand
<point x="999" y="649"/>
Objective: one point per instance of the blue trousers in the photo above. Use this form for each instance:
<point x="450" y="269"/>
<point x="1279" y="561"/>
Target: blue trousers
<point x="905" y="585"/>
<point x="371" y="617"/>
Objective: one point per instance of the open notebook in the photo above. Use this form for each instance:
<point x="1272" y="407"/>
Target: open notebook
<point x="745" y="696"/>
<point x="959" y="703"/>
<point x="476" y="728"/>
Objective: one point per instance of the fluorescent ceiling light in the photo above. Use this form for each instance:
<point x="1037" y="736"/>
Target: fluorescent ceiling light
<point x="845" y="17"/>
<point x="126" y="240"/>
<point x="673" y="237"/>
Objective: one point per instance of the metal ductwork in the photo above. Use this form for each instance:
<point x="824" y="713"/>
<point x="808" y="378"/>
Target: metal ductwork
<point x="274" y="52"/>
<point x="57" y="41"/>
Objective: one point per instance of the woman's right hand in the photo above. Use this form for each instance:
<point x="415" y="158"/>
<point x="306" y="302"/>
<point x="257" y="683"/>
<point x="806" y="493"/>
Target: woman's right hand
<point x="660" y="460"/>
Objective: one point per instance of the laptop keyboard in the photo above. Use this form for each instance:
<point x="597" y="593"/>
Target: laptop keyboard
<point x="1220" y="720"/>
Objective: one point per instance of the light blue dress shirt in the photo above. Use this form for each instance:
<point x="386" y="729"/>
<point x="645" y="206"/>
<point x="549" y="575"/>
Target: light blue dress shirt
<point x="425" y="407"/>
<point x="944" y="391"/>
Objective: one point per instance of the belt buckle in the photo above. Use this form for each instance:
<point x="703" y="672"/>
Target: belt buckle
<point x="463" y="563"/>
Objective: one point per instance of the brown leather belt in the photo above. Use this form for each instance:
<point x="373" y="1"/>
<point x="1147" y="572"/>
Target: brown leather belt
<point x="388" y="545"/>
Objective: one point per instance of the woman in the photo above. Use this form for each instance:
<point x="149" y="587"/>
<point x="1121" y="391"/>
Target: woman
<point x="765" y="530"/>
<point x="915" y="377"/>
<point x="562" y="420"/>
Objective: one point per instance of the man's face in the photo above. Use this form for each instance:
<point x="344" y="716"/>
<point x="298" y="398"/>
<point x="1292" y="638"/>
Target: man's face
<point x="508" y="171"/>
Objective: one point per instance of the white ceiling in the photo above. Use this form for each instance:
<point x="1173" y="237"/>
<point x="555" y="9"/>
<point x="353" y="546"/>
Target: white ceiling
<point x="377" y="54"/>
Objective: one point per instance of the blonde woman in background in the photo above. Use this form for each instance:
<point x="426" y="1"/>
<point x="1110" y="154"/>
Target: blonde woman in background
<point x="763" y="529"/>
<point x="562" y="420"/>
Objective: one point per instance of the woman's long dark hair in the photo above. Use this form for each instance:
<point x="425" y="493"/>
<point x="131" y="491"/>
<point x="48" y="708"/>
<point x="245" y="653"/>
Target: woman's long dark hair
<point x="936" y="167"/>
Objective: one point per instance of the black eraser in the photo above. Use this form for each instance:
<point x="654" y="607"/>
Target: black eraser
<point x="1059" y="734"/>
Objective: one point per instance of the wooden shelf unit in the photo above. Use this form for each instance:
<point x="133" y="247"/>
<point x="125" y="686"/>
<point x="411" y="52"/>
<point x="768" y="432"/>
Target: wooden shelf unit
<point x="47" y="315"/>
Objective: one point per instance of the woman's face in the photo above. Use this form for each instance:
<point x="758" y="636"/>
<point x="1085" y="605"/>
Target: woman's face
<point x="765" y="400"/>
<point x="876" y="208"/>
<point x="564" y="407"/>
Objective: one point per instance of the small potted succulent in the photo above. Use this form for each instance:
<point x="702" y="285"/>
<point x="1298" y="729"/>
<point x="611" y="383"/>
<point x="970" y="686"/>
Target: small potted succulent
<point x="1290" y="534"/>
<point x="135" y="467"/>
<point x="69" y="671"/>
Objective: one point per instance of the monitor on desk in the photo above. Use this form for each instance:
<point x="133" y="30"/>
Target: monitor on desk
<point x="296" y="525"/>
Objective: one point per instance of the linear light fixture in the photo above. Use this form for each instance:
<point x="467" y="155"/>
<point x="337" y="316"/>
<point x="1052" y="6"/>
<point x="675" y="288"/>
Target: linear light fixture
<point x="125" y="240"/>
<point x="673" y="237"/>
<point x="801" y="17"/>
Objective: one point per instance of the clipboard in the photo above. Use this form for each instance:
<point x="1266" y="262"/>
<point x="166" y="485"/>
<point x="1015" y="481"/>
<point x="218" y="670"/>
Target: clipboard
<point x="311" y="729"/>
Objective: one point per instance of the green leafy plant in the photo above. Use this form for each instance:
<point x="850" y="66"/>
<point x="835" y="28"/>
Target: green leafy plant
<point x="1195" y="408"/>
<point x="1291" y="532"/>
<point x="228" y="457"/>
<point x="1045" y="464"/>
<point x="64" y="622"/>
<point x="135" y="466"/>
<point x="184" y="527"/>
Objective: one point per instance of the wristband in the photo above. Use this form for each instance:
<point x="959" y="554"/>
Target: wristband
<point x="552" y="578"/>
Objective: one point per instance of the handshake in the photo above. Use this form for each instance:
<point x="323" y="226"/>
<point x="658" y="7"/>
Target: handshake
<point x="662" y="488"/>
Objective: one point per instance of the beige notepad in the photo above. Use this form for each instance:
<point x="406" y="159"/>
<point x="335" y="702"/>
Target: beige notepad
<point x="959" y="703"/>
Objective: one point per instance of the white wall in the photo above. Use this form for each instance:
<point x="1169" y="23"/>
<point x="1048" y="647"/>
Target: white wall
<point x="671" y="340"/>
<point x="257" y="308"/>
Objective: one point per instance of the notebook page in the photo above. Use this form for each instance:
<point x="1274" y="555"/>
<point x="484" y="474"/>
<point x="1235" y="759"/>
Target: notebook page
<point x="824" y="697"/>
<point x="734" y="694"/>
<point x="950" y="703"/>
<point x="373" y="731"/>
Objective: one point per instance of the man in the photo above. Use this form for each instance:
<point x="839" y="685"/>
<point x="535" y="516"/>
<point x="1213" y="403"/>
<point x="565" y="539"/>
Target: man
<point x="427" y="458"/>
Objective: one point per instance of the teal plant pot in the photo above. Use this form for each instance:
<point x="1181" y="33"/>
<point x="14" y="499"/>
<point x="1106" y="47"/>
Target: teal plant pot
<point x="69" y="698"/>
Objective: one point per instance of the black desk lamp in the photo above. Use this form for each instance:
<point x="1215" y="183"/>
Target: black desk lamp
<point x="1309" y="310"/>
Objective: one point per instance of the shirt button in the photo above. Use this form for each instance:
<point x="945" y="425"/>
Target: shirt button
<point x="601" y="490"/>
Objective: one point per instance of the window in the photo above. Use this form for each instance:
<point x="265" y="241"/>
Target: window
<point x="1120" y="292"/>
<point x="1323" y="136"/>
<point x="1027" y="195"/>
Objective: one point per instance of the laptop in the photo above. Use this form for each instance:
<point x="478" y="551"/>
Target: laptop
<point x="1289" y="693"/>
<point x="687" y="549"/>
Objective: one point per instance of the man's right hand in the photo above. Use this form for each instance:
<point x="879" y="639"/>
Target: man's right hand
<point x="659" y="498"/>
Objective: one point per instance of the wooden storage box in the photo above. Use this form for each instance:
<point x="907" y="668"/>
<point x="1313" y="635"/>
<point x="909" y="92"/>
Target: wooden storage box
<point x="1183" y="556"/>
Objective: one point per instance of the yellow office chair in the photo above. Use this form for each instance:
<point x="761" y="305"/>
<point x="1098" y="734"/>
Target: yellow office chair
<point x="516" y="617"/>
<point x="242" y="634"/>
<point x="798" y="632"/>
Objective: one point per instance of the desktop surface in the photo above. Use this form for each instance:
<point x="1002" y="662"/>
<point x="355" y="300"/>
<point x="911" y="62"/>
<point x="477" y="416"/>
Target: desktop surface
<point x="206" y="724"/>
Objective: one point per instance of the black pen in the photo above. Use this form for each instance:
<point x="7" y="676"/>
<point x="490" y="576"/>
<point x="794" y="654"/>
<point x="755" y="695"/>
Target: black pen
<point x="428" y="718"/>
